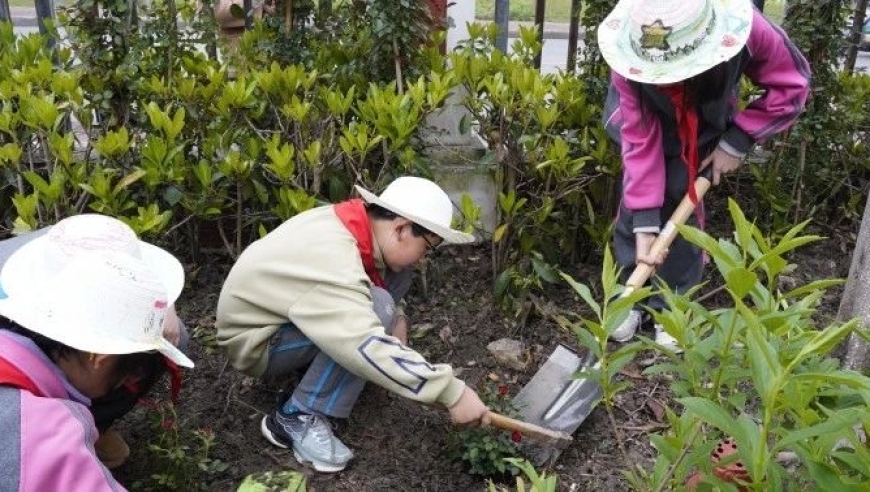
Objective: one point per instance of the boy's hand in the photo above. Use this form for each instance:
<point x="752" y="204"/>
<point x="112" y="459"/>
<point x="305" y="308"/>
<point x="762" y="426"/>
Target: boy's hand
<point x="469" y="410"/>
<point x="171" y="330"/>
<point x="400" y="329"/>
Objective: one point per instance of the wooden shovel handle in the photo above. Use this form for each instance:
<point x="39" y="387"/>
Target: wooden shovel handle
<point x="526" y="429"/>
<point x="643" y="271"/>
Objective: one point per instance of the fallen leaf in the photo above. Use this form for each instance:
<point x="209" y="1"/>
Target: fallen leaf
<point x="421" y="330"/>
<point x="632" y="372"/>
<point x="658" y="410"/>
<point x="446" y="335"/>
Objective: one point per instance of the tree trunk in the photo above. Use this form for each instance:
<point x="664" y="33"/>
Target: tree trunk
<point x="856" y="297"/>
<point x="855" y="35"/>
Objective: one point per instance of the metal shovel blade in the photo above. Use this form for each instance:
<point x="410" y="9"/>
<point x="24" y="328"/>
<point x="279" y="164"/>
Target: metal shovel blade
<point x="554" y="399"/>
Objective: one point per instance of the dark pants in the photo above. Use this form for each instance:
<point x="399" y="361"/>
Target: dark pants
<point x="683" y="267"/>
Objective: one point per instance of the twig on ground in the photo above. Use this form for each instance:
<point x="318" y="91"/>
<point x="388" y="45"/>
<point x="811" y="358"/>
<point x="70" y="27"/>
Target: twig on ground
<point x="711" y="293"/>
<point x="224" y="368"/>
<point x="647" y="428"/>
<point x="229" y="396"/>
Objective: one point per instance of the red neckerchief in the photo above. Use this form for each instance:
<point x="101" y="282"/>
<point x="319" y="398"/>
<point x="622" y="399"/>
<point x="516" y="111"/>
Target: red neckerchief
<point x="174" y="378"/>
<point x="687" y="124"/>
<point x="352" y="213"/>
<point x="12" y="376"/>
<point x="134" y="388"/>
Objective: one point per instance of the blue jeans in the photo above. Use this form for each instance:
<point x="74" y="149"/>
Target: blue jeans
<point x="327" y="388"/>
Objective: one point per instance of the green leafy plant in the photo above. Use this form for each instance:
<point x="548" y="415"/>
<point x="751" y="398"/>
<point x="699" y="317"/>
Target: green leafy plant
<point x="181" y="455"/>
<point x="594" y="333"/>
<point x="198" y="154"/>
<point x="485" y="450"/>
<point x="538" y="482"/>
<point x="283" y="481"/>
<point x="550" y="156"/>
<point x="819" y="169"/>
<point x="759" y="370"/>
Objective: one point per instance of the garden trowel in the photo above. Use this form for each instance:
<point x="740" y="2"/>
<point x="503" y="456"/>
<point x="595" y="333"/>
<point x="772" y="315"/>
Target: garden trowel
<point x="555" y="398"/>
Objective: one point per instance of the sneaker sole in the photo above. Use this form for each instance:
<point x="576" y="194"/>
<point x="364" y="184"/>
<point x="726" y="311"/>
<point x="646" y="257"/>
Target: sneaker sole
<point x="622" y="339"/>
<point x="672" y="346"/>
<point x="317" y="465"/>
<point x="299" y="454"/>
<point x="267" y="433"/>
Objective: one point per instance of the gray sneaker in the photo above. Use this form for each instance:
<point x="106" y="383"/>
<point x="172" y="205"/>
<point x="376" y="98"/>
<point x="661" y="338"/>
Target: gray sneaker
<point x="311" y="438"/>
<point x="665" y="340"/>
<point x="626" y="330"/>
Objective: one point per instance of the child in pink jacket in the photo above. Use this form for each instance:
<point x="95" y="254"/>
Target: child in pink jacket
<point x="672" y="107"/>
<point x="72" y="331"/>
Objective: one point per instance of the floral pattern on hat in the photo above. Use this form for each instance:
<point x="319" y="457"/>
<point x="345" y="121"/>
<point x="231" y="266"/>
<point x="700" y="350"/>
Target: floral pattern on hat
<point x="667" y="41"/>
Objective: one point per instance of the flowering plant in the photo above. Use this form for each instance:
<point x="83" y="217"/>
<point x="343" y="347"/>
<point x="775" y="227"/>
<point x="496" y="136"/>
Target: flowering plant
<point x="485" y="450"/>
<point x="179" y="453"/>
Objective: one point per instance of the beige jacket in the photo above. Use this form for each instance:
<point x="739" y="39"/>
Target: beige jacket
<point x="309" y="271"/>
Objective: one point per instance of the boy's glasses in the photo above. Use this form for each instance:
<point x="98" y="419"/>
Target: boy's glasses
<point x="431" y="247"/>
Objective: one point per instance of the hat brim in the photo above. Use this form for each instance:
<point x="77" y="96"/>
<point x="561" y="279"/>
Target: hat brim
<point x="729" y="36"/>
<point x="26" y="266"/>
<point x="81" y="337"/>
<point x="450" y="236"/>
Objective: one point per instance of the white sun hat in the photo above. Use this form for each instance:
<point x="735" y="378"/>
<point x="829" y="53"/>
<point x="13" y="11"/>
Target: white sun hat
<point x="44" y="256"/>
<point x="668" y="41"/>
<point x="103" y="302"/>
<point x="422" y="202"/>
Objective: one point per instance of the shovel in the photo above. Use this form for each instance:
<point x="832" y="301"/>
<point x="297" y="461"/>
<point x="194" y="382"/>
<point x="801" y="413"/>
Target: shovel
<point x="536" y="432"/>
<point x="554" y="398"/>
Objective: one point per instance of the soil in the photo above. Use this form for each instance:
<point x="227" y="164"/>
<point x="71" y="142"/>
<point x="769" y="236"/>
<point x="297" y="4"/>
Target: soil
<point x="401" y="445"/>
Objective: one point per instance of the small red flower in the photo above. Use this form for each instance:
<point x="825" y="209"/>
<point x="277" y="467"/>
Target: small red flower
<point x="516" y="436"/>
<point x="147" y="404"/>
<point x="503" y="389"/>
<point x="206" y="431"/>
<point x="168" y="424"/>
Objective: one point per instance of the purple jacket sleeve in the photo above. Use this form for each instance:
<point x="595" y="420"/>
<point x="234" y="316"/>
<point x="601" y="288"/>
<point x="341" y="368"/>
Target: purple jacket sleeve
<point x="642" y="155"/>
<point x="775" y="65"/>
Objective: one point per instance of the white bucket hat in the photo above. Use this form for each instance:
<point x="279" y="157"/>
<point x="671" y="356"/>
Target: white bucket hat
<point x="422" y="202"/>
<point x="668" y="41"/>
<point x="44" y="256"/>
<point x="103" y="302"/>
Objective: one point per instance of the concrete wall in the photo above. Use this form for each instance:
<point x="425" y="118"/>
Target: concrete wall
<point x="455" y="156"/>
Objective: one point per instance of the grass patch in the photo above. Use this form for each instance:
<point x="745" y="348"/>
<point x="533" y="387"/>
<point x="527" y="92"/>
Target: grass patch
<point x="524" y="10"/>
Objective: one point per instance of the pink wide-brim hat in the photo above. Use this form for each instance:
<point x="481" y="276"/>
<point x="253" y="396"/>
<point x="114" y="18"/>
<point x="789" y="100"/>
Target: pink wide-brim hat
<point x="668" y="41"/>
